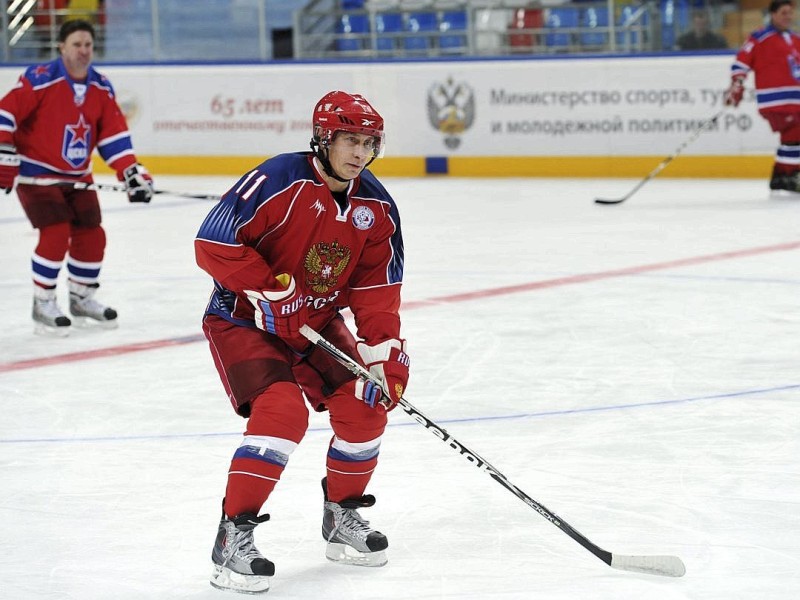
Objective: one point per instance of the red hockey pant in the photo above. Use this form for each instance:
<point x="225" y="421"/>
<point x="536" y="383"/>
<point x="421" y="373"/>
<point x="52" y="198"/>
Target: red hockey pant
<point x="271" y="386"/>
<point x="787" y="124"/>
<point x="68" y="220"/>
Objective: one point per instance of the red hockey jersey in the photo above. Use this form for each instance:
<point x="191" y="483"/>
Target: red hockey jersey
<point x="282" y="218"/>
<point x="55" y="123"/>
<point x="774" y="57"/>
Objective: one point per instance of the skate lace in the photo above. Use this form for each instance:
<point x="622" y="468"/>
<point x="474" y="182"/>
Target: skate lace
<point x="242" y="545"/>
<point x="90" y="305"/>
<point x="48" y="308"/>
<point x="353" y="524"/>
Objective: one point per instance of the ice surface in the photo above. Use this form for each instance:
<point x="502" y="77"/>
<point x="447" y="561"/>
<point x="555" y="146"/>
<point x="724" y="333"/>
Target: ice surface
<point x="634" y="368"/>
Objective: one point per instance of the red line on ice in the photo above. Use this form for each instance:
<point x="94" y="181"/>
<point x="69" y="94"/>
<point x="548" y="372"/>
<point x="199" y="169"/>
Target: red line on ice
<point x="452" y="298"/>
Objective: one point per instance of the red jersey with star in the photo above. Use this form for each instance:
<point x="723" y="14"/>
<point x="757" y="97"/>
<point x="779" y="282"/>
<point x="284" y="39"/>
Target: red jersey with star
<point x="55" y="123"/>
<point x="282" y="218"/>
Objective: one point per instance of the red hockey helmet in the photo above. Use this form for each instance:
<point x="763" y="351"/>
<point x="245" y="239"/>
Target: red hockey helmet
<point x="340" y="111"/>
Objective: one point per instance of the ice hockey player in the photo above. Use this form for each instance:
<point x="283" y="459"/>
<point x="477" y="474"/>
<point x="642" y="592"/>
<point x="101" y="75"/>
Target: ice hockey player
<point x="294" y="241"/>
<point x="50" y="122"/>
<point x="773" y="54"/>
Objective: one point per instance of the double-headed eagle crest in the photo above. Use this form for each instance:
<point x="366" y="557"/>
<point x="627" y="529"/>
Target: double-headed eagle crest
<point x="324" y="265"/>
<point x="451" y="110"/>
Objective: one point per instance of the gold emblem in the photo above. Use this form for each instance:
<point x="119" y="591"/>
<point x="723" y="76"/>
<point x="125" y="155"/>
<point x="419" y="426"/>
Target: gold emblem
<point x="324" y="265"/>
<point x="451" y="110"/>
<point x="398" y="390"/>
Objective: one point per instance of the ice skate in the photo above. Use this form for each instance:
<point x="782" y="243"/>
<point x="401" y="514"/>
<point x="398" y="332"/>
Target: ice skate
<point x="88" y="311"/>
<point x="47" y="315"/>
<point x="778" y="183"/>
<point x="350" y="538"/>
<point x="238" y="565"/>
<point x="783" y="185"/>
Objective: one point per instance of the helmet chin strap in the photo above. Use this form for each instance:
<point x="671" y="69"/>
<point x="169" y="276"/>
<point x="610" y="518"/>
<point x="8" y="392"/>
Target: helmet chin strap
<point x="322" y="155"/>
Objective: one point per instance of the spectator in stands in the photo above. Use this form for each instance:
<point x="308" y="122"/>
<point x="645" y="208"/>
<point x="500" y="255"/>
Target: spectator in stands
<point x="701" y="37"/>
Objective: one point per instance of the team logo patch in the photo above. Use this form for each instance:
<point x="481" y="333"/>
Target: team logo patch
<point x="324" y="264"/>
<point x="77" y="143"/>
<point x="363" y="218"/>
<point x="794" y="67"/>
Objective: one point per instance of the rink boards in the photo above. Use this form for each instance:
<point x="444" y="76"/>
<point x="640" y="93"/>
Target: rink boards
<point x="552" y="117"/>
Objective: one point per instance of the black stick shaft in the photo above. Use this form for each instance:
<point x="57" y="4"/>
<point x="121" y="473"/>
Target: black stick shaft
<point x="695" y="134"/>
<point x="110" y="187"/>
<point x="470" y="455"/>
<point x="669" y="566"/>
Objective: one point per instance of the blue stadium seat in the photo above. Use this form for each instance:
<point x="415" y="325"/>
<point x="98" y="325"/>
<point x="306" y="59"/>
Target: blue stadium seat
<point x="388" y="23"/>
<point x="558" y="19"/>
<point x="351" y="24"/>
<point x="674" y="18"/>
<point x="594" y="18"/>
<point x="630" y="38"/>
<point x="453" y="27"/>
<point x="420" y="22"/>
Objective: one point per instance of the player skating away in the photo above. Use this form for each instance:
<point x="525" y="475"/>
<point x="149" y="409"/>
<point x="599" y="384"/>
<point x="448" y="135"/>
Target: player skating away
<point x="773" y="55"/>
<point x="50" y="122"/>
<point x="293" y="242"/>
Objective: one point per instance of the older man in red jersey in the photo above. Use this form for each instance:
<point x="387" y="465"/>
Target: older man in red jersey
<point x="773" y="54"/>
<point x="50" y="122"/>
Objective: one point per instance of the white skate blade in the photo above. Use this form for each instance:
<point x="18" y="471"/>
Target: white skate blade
<point x="347" y="555"/>
<point x="89" y="323"/>
<point x="48" y="331"/>
<point x="784" y="195"/>
<point x="223" y="578"/>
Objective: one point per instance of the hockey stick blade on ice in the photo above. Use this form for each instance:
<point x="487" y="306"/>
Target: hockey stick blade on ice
<point x="107" y="187"/>
<point x="669" y="566"/>
<point x="703" y="127"/>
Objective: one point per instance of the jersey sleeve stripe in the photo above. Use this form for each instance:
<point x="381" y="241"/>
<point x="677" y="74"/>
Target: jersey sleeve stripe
<point x="8" y="122"/>
<point x="220" y="225"/>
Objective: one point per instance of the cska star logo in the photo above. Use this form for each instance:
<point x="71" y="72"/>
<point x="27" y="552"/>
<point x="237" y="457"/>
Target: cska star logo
<point x="77" y="143"/>
<point x="324" y="264"/>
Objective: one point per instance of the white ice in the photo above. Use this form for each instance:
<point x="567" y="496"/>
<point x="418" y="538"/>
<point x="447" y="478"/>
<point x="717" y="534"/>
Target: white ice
<point x="642" y="380"/>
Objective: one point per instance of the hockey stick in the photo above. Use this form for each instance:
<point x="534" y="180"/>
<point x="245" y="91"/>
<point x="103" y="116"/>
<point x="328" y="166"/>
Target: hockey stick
<point x="670" y="566"/>
<point x="111" y="187"/>
<point x="703" y="126"/>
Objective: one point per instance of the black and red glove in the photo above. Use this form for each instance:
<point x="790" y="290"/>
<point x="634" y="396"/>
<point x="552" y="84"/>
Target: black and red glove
<point x="138" y="183"/>
<point x="9" y="167"/>
<point x="389" y="364"/>
<point x="735" y="93"/>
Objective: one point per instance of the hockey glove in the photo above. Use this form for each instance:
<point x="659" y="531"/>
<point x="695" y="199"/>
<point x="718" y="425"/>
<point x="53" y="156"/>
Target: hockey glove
<point x="138" y="182"/>
<point x="735" y="93"/>
<point x="389" y="364"/>
<point x="281" y="312"/>
<point x="9" y="167"/>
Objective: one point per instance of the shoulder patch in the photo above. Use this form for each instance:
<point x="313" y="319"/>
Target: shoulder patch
<point x="363" y="218"/>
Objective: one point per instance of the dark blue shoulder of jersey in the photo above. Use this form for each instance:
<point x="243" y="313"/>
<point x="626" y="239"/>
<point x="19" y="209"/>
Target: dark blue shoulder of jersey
<point x="239" y="204"/>
<point x="99" y="80"/>
<point x="44" y="73"/>
<point x="370" y="187"/>
<point x="764" y="33"/>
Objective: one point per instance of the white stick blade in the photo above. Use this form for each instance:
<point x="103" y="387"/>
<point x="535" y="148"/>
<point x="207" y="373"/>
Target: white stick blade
<point x="668" y="566"/>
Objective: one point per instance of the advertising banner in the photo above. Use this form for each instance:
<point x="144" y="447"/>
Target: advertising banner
<point x="610" y="108"/>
